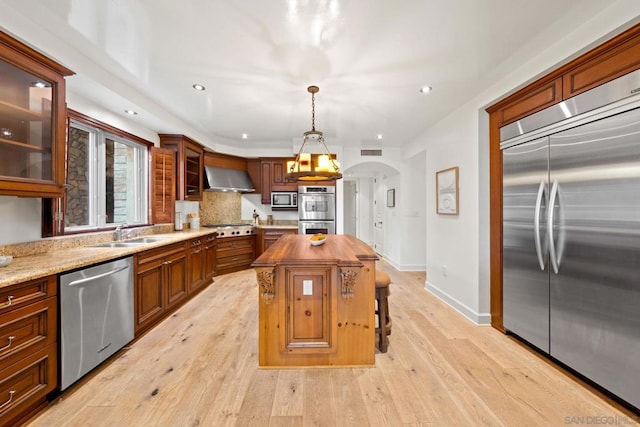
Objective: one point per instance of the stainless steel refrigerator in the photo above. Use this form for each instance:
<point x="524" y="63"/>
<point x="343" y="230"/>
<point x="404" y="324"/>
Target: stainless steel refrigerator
<point x="571" y="244"/>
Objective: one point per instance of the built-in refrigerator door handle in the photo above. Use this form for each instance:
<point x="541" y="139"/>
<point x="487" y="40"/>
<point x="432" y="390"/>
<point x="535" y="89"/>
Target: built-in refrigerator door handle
<point x="536" y="225"/>
<point x="552" y="245"/>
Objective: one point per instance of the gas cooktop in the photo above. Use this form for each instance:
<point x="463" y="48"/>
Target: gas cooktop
<point x="237" y="224"/>
<point x="231" y="230"/>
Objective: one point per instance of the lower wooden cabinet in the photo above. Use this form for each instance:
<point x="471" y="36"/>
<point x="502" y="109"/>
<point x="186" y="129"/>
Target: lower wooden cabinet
<point x="196" y="265"/>
<point x="234" y="254"/>
<point x="265" y="237"/>
<point x="161" y="283"/>
<point x="28" y="348"/>
<point x="167" y="276"/>
<point x="209" y="257"/>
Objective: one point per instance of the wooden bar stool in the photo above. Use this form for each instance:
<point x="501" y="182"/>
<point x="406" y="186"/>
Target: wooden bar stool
<point x="382" y="310"/>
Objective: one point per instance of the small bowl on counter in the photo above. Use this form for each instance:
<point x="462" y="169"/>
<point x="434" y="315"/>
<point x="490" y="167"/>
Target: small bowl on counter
<point x="317" y="239"/>
<point x="5" y="260"/>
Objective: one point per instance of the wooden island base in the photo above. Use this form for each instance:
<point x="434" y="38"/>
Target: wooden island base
<point x="316" y="303"/>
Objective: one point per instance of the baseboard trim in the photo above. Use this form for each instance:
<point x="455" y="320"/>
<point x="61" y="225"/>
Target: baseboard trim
<point x="480" y="319"/>
<point x="400" y="267"/>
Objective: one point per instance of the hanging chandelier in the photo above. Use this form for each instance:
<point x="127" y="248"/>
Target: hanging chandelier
<point x="302" y="168"/>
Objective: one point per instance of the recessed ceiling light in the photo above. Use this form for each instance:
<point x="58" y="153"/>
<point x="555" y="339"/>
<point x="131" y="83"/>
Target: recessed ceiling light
<point x="198" y="86"/>
<point x="245" y="136"/>
<point x="379" y="136"/>
<point x="426" y="89"/>
<point x="130" y="112"/>
<point x="39" y="84"/>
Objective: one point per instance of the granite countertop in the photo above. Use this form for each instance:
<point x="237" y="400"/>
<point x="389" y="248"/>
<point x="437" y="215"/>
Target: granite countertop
<point x="54" y="261"/>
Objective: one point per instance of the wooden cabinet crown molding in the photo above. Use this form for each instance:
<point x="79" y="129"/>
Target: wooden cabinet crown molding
<point x="21" y="48"/>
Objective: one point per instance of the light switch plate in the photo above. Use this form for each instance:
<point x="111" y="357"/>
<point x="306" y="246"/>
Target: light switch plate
<point x="307" y="287"/>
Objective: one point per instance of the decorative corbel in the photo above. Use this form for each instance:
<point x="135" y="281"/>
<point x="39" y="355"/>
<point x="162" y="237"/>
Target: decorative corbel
<point x="266" y="284"/>
<point x="348" y="277"/>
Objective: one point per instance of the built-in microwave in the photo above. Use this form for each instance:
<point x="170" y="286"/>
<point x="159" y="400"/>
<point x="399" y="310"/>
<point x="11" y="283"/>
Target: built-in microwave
<point x="284" y="200"/>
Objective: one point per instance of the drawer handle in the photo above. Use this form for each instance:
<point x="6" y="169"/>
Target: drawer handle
<point x="11" y="338"/>
<point x="9" y="300"/>
<point x="11" y="393"/>
<point x="196" y="251"/>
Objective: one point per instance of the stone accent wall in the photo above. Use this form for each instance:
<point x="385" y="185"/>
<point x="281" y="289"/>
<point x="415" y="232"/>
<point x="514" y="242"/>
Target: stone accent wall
<point x="121" y="191"/>
<point x="77" y="212"/>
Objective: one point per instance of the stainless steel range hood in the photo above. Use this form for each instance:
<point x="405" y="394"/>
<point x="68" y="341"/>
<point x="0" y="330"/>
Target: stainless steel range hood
<point x="222" y="179"/>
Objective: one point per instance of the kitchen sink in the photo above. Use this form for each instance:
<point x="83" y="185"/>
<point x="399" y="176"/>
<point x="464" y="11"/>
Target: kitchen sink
<point x="131" y="243"/>
<point x="118" y="245"/>
<point x="146" y="240"/>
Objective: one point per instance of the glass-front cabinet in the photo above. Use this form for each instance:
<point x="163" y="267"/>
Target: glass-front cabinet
<point x="190" y="165"/>
<point x="32" y="121"/>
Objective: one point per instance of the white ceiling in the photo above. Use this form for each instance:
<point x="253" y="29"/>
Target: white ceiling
<point x="257" y="57"/>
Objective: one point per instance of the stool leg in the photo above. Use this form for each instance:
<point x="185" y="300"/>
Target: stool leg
<point x="383" y="308"/>
<point x="386" y="309"/>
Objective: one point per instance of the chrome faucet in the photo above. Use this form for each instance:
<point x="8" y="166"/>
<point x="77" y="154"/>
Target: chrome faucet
<point x="123" y="234"/>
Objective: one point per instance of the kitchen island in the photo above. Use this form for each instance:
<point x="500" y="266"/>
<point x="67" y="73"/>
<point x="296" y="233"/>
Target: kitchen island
<point x="316" y="303"/>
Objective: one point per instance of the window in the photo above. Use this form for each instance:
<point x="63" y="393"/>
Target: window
<point x="106" y="179"/>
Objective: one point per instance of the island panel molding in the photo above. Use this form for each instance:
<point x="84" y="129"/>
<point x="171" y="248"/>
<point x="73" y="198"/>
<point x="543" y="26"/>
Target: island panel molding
<point x="348" y="280"/>
<point x="265" y="283"/>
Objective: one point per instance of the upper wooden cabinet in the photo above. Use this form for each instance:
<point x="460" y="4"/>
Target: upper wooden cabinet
<point x="613" y="59"/>
<point x="530" y="101"/>
<point x="32" y="121"/>
<point x="190" y="165"/>
<point x="272" y="172"/>
<point x="268" y="174"/>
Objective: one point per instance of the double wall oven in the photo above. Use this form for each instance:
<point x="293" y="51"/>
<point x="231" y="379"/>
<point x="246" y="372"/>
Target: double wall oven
<point x="316" y="210"/>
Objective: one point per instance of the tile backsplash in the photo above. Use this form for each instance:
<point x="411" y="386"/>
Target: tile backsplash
<point x="220" y="207"/>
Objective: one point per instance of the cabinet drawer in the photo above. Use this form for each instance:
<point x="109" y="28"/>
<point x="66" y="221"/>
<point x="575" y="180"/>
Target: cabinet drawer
<point x="25" y="329"/>
<point x="230" y="261"/>
<point x="27" y="382"/>
<point x="13" y="297"/>
<point x="233" y="252"/>
<point x="152" y="257"/>
<point x="235" y="242"/>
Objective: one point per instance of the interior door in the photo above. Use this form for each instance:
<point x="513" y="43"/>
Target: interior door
<point x="378" y="215"/>
<point x="595" y="251"/>
<point x="350" y="208"/>
<point x="525" y="259"/>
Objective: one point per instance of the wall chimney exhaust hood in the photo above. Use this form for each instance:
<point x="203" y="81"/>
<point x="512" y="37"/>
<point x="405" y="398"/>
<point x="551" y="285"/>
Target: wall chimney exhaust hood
<point x="222" y="179"/>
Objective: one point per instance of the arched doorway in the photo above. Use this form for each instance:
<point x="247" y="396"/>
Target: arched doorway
<point x="364" y="201"/>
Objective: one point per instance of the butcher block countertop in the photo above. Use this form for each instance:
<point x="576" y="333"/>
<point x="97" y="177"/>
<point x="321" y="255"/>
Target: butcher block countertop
<point x="58" y="259"/>
<point x="340" y="249"/>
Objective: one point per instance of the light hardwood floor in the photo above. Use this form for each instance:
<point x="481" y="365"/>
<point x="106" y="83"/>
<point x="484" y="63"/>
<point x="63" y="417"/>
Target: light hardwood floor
<point x="199" y="368"/>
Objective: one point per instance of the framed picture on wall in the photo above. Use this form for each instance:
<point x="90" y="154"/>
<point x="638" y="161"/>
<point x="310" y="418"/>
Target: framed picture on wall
<point x="447" y="191"/>
<point x="391" y="198"/>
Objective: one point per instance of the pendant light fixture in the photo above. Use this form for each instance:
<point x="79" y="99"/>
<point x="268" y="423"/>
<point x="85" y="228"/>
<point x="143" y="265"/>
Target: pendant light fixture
<point x="302" y="169"/>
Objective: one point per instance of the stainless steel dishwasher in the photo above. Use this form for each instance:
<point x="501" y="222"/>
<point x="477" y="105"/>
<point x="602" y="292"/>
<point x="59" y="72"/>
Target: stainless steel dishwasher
<point x="96" y="316"/>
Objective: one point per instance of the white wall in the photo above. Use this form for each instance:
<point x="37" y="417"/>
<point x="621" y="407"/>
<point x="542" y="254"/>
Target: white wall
<point x="249" y="202"/>
<point x="412" y="200"/>
<point x="461" y="243"/>
<point x="19" y="219"/>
